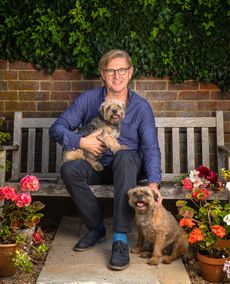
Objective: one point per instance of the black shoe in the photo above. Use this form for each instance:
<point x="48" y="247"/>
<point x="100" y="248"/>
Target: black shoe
<point x="120" y="256"/>
<point x="90" y="240"/>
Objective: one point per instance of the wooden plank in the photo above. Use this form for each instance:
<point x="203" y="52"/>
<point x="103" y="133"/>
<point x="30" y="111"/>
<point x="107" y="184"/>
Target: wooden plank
<point x="17" y="140"/>
<point x="58" y="157"/>
<point x="37" y="122"/>
<point x="176" y="150"/>
<point x="190" y="149"/>
<point x="45" y="150"/>
<point x="2" y="167"/>
<point x="186" y="121"/>
<point x="31" y="150"/>
<point x="161" y="139"/>
<point x="205" y="147"/>
<point x="219" y="127"/>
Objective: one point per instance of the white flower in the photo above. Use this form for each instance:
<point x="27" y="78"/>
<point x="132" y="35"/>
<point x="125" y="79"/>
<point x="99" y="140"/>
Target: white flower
<point x="194" y="175"/>
<point x="227" y="268"/>
<point x="227" y="219"/>
<point x="228" y="185"/>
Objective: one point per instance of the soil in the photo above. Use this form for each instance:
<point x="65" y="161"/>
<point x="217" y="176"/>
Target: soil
<point x="49" y="227"/>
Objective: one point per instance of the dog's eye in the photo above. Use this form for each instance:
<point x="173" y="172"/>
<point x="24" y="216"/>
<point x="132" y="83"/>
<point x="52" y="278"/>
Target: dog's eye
<point x="146" y="193"/>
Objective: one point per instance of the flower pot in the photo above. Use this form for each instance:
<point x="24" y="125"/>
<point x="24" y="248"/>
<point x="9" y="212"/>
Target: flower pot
<point x="223" y="243"/>
<point x="27" y="233"/>
<point x="211" y="268"/>
<point x="7" y="266"/>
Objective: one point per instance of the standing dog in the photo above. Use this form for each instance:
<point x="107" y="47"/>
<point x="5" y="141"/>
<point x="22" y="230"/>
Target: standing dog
<point x="157" y="226"/>
<point x="109" y="118"/>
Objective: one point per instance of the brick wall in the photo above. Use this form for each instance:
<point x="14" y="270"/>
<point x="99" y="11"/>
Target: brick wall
<point x="38" y="94"/>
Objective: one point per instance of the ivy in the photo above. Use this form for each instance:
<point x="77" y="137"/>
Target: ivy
<point x="184" y="39"/>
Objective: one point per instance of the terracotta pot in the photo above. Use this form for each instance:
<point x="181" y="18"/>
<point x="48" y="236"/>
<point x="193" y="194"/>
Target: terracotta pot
<point x="223" y="244"/>
<point x="211" y="268"/>
<point x="7" y="266"/>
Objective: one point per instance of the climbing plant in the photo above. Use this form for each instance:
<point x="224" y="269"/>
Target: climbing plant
<point x="183" y="39"/>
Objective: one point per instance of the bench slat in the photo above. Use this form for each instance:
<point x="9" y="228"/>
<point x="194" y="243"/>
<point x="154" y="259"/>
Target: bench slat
<point x="176" y="150"/>
<point x="205" y="147"/>
<point x="190" y="148"/>
<point x="31" y="150"/>
<point x="45" y="150"/>
<point x="161" y="139"/>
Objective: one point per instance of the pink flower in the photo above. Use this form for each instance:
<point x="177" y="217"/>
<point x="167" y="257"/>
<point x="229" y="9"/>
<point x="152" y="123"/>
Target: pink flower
<point x="29" y="183"/>
<point x="187" y="184"/>
<point x="8" y="193"/>
<point x="38" y="237"/>
<point x="23" y="199"/>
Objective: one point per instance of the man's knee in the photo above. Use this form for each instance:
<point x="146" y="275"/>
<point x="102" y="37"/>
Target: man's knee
<point x="126" y="158"/>
<point x="73" y="168"/>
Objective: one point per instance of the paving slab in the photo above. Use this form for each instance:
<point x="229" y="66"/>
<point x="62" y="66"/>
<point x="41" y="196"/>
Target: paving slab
<point x="65" y="266"/>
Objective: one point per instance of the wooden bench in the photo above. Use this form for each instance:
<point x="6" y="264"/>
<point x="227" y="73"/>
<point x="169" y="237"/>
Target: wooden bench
<point x="185" y="143"/>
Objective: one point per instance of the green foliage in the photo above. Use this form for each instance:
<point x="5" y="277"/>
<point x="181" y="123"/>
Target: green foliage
<point x="183" y="39"/>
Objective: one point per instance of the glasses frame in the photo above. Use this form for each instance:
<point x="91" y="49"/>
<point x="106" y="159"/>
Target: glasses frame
<point x="121" y="71"/>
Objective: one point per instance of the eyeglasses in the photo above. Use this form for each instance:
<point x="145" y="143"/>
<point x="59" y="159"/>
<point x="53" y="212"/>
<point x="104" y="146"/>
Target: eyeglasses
<point x="120" y="71"/>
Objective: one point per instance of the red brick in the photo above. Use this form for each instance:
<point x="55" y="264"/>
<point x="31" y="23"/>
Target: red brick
<point x="67" y="76"/>
<point x="52" y="106"/>
<point x="162" y="96"/>
<point x="59" y="86"/>
<point x="214" y="105"/>
<point x="3" y="85"/>
<point x="60" y="96"/>
<point x="158" y="106"/>
<point x="156" y="85"/>
<point x="7" y="95"/>
<point x="208" y="86"/>
<point x="181" y="106"/>
<point x="187" y="85"/>
<point x="154" y="78"/>
<point x="33" y="96"/>
<point x="22" y="85"/>
<point x="2" y="107"/>
<point x="8" y="75"/>
<point x="194" y="95"/>
<point x="3" y="65"/>
<point x="20" y="106"/>
<point x="19" y="65"/>
<point x="33" y="75"/>
<point x="220" y="96"/>
<point x="85" y="85"/>
<point x="46" y="86"/>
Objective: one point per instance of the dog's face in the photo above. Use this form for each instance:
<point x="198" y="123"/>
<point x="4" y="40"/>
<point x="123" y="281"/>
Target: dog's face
<point x="141" y="199"/>
<point x="113" y="111"/>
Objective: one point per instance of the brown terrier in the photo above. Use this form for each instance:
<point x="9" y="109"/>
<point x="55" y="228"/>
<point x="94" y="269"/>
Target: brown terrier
<point x="109" y="118"/>
<point x="157" y="226"/>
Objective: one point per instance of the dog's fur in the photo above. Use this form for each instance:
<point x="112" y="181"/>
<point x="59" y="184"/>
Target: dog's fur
<point x="157" y="226"/>
<point x="109" y="118"/>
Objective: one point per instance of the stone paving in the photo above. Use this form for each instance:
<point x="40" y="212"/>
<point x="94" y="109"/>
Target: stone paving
<point x="64" y="266"/>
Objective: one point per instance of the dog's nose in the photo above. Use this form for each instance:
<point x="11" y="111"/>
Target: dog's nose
<point x="114" y="111"/>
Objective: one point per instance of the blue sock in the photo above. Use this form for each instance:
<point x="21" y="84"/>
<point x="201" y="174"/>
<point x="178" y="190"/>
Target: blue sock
<point x="117" y="236"/>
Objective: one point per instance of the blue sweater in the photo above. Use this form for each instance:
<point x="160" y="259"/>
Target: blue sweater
<point x="138" y="130"/>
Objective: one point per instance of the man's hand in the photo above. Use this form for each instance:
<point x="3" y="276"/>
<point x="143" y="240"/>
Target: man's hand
<point x="154" y="187"/>
<point x="92" y="144"/>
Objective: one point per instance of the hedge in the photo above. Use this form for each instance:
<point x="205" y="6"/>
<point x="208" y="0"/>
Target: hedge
<point x="183" y="39"/>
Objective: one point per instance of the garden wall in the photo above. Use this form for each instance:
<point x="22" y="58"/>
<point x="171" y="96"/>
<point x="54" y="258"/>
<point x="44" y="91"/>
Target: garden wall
<point x="37" y="94"/>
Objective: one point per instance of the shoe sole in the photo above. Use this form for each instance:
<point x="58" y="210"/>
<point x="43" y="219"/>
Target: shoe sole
<point x="88" y="248"/>
<point x="118" y="268"/>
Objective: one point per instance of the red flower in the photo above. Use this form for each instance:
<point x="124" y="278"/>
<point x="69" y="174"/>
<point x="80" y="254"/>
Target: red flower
<point x="204" y="172"/>
<point x="29" y="183"/>
<point x="8" y="193"/>
<point x="200" y="194"/>
<point x="187" y="222"/>
<point x="187" y="184"/>
<point x="195" y="236"/>
<point x="38" y="236"/>
<point x="219" y="231"/>
<point x="23" y="199"/>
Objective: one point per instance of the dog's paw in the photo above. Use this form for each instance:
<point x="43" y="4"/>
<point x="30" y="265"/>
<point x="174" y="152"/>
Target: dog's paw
<point x="97" y="166"/>
<point x="136" y="250"/>
<point x="166" y="259"/>
<point x="153" y="261"/>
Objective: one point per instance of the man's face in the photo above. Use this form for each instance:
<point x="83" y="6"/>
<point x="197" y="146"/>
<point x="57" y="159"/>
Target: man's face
<point x="117" y="75"/>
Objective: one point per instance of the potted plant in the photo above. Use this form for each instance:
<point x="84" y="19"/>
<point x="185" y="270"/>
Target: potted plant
<point x="20" y="214"/>
<point x="205" y="221"/>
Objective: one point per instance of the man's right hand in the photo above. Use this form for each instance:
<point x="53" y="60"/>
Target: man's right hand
<point x="91" y="143"/>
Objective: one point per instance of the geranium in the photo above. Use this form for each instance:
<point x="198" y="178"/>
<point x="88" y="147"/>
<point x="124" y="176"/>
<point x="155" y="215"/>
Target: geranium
<point x="19" y="213"/>
<point x="205" y="221"/>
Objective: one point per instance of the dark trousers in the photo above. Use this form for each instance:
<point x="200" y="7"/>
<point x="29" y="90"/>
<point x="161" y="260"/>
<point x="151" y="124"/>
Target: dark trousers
<point x="123" y="173"/>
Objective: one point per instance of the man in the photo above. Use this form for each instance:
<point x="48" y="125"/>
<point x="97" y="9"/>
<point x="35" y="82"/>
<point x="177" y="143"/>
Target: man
<point x="138" y="133"/>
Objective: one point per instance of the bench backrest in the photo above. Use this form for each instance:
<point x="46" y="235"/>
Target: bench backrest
<point x="185" y="143"/>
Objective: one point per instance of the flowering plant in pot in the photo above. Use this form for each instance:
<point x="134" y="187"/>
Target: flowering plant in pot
<point x="204" y="220"/>
<point x="18" y="214"/>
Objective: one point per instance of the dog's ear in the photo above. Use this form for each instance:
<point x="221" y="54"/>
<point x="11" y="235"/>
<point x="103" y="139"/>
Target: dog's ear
<point x="130" y="192"/>
<point x="102" y="109"/>
<point x="155" y="196"/>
